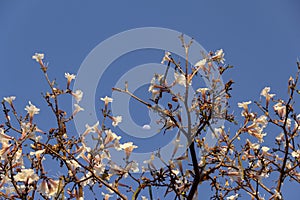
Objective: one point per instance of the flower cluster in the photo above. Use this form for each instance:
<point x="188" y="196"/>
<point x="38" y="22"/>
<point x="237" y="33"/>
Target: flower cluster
<point x="236" y="167"/>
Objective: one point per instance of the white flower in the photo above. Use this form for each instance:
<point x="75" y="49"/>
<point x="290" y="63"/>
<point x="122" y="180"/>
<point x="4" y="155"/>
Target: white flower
<point x="262" y="121"/>
<point x="175" y="171"/>
<point x="288" y="123"/>
<point x="151" y="88"/>
<point x="5" y="144"/>
<point x="116" y="120"/>
<point x="85" y="180"/>
<point x="110" y="136"/>
<point x="27" y="128"/>
<point x="26" y="175"/>
<point x="128" y="147"/>
<point x="200" y="90"/>
<point x="254" y="146"/>
<point x="265" y="149"/>
<point x="38" y="57"/>
<point x="288" y="164"/>
<point x="265" y="92"/>
<point x="264" y="175"/>
<point x="219" y="56"/>
<point x="4" y="139"/>
<point x="280" y="137"/>
<point x="91" y="129"/>
<point x="43" y="187"/>
<point x="69" y="78"/>
<point x="200" y="63"/>
<point x="166" y="57"/>
<point x="77" y="109"/>
<point x="18" y="158"/>
<point x="232" y="197"/>
<point x="155" y="81"/>
<point x="144" y="198"/>
<point x="296" y="154"/>
<point x="77" y="95"/>
<point x="170" y="124"/>
<point x="244" y="105"/>
<point x="73" y="164"/>
<point x="32" y="110"/>
<point x="53" y="187"/>
<point x="280" y="109"/>
<point x="153" y="91"/>
<point x="180" y="79"/>
<point x="38" y="153"/>
<point x="257" y="127"/>
<point x="82" y="150"/>
<point x="218" y="131"/>
<point x="106" y="100"/>
<point x="9" y="99"/>
<point x="133" y="166"/>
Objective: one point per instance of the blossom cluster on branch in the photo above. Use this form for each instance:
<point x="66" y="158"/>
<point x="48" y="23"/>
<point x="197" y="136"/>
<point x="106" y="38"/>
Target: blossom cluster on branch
<point x="237" y="166"/>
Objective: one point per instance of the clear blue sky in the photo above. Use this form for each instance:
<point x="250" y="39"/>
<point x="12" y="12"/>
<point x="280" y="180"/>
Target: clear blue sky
<point x="260" y="38"/>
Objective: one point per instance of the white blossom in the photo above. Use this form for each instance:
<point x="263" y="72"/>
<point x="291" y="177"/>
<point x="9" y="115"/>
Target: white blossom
<point x="133" y="166"/>
<point x="166" y="57"/>
<point x="38" y="57"/>
<point x="110" y="136"/>
<point x="69" y="78"/>
<point x="5" y="144"/>
<point x="73" y="164"/>
<point x="77" y="109"/>
<point x="38" y="153"/>
<point x="180" y="79"/>
<point x="201" y="90"/>
<point x="106" y="100"/>
<point x="77" y="95"/>
<point x="4" y="139"/>
<point x="280" y="109"/>
<point x="32" y="109"/>
<point x="280" y="137"/>
<point x="265" y="149"/>
<point x="116" y="120"/>
<point x="296" y="154"/>
<point x="26" y="175"/>
<point x="201" y="63"/>
<point x="128" y="147"/>
<point x="9" y="99"/>
<point x="244" y="105"/>
<point x="219" y="56"/>
<point x="265" y="92"/>
<point x="232" y="197"/>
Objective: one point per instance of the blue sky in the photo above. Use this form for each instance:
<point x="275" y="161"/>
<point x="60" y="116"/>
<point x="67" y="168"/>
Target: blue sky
<point x="260" y="38"/>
